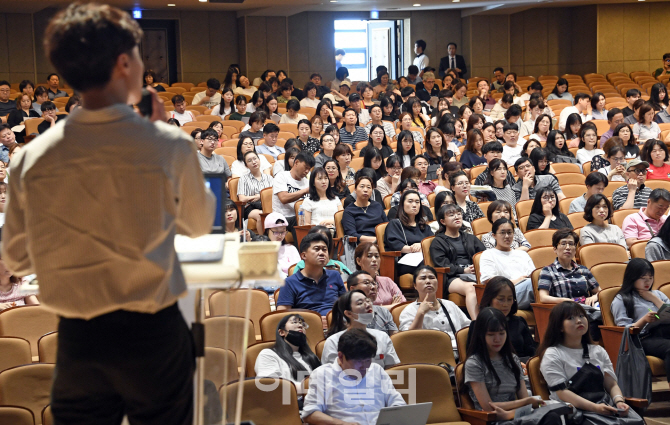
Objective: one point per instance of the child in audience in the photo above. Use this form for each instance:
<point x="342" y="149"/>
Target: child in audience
<point x="10" y="294"/>
<point x="636" y="304"/>
<point x="575" y="368"/>
<point x="493" y="372"/>
<point x="275" y="229"/>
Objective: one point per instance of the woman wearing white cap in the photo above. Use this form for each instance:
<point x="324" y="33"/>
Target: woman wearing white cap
<point x="275" y="229"/>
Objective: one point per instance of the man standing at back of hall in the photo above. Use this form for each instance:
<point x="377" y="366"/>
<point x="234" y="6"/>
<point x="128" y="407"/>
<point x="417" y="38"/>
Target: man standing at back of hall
<point x="93" y="208"/>
<point x="453" y="61"/>
<point x="421" y="61"/>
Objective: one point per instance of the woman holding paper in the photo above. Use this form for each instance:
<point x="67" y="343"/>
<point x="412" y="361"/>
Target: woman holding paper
<point x="406" y="232"/>
<point x="637" y="305"/>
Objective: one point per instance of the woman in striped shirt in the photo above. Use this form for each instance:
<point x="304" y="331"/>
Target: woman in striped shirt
<point x="250" y="186"/>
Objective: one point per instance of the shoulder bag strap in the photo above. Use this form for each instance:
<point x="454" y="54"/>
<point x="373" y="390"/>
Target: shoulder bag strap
<point x="653" y="235"/>
<point x="451" y="323"/>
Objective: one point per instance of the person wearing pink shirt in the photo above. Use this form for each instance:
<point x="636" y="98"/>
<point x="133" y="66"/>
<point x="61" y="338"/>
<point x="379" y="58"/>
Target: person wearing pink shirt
<point x="646" y="223"/>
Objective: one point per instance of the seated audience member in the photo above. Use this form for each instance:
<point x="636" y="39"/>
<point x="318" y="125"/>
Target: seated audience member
<point x="572" y="130"/>
<point x="292" y="116"/>
<point x="598" y="211"/>
<point x="350" y="132"/>
<point x="389" y="183"/>
<point x="270" y="147"/>
<point x="308" y="144"/>
<point x="427" y="88"/>
<point x="406" y="232"/>
<point x="431" y="312"/>
<point x="382" y="319"/>
<point x="232" y="216"/>
<point x="250" y="186"/>
<point x="54" y="91"/>
<point x="209" y="161"/>
<point x="406" y="185"/>
<point x="227" y="105"/>
<point x="502" y="209"/>
<point x="616" y="156"/>
<point x="375" y="197"/>
<point x="561" y="91"/>
<point x="332" y="264"/>
<point x="595" y="184"/>
<point x="337" y="185"/>
<point x="614" y="118"/>
<point x="290" y="358"/>
<point x="328" y="401"/>
<point x="425" y="185"/>
<point x="240" y="109"/>
<point x="632" y="96"/>
<point x="633" y="118"/>
<point x="512" y="149"/>
<point x="598" y="110"/>
<point x="564" y="279"/>
<point x="545" y="212"/>
<point x="600" y="161"/>
<point x="343" y="154"/>
<point x="314" y="287"/>
<point x="321" y="204"/>
<point x="406" y="124"/>
<point x="494" y="374"/>
<point x="530" y="184"/>
<point x="355" y="103"/>
<point x="150" y="81"/>
<point x="460" y="97"/>
<point x="588" y="143"/>
<point x="516" y="265"/>
<point x="239" y="167"/>
<point x="354" y="310"/>
<point x="453" y="248"/>
<point x="174" y="122"/>
<point x="637" y="305"/>
<point x="367" y="259"/>
<point x="569" y="355"/>
<point x="73" y="103"/>
<point x="539" y="157"/>
<point x="500" y="294"/>
<point x="635" y="194"/>
<point x="377" y="140"/>
<point x="645" y="127"/>
<point x="490" y="151"/>
<point x="656" y="154"/>
<point x="244" y="87"/>
<point x="542" y="128"/>
<point x="405" y="149"/>
<point x="41" y="96"/>
<point x="374" y="161"/>
<point x="50" y="117"/>
<point x="647" y="223"/>
<point x="362" y="216"/>
<point x="180" y="113"/>
<point x="472" y="155"/>
<point x="11" y="294"/>
<point x="665" y="69"/>
<point x="658" y="247"/>
<point x="256" y="122"/>
<point x="292" y="150"/>
<point x="284" y="91"/>
<point x="328" y="145"/>
<point x="658" y="97"/>
<point x="21" y="114"/>
<point x="498" y="181"/>
<point x="499" y="109"/>
<point x="581" y="106"/>
<point x="218" y="127"/>
<point x="376" y="115"/>
<point x="210" y="97"/>
<point x="291" y="186"/>
<point x="7" y="141"/>
<point x="460" y="186"/>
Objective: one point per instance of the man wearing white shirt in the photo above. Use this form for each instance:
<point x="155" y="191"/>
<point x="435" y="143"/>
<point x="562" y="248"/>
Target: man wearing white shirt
<point x="421" y="61"/>
<point x="352" y="389"/>
<point x="210" y="97"/>
<point x="582" y="102"/>
<point x="512" y="149"/>
<point x="180" y="113"/>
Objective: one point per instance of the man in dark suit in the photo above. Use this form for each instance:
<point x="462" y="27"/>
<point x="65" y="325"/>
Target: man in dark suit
<point x="453" y="61"/>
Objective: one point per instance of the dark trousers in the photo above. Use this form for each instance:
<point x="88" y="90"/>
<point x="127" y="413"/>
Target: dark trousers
<point x="124" y="363"/>
<point x="292" y="222"/>
<point x="658" y="346"/>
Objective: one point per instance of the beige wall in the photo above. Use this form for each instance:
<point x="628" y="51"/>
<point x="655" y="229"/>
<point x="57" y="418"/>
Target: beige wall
<point x="553" y="41"/>
<point x="17" y="59"/>
<point x="631" y="36"/>
<point x="486" y="44"/>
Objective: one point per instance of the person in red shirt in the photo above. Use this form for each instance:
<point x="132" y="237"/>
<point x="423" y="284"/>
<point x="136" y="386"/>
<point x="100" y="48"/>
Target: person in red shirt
<point x="656" y="154"/>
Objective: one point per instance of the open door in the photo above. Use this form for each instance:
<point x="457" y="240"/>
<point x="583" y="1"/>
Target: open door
<point x="381" y="47"/>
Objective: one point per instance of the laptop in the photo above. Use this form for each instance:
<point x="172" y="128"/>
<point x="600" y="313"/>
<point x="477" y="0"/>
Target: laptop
<point x="410" y="414"/>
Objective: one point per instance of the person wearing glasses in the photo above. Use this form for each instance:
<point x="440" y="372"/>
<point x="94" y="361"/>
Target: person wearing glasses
<point x="460" y="185"/>
<point x="290" y="357"/>
<point x="565" y="280"/>
<point x="635" y="194"/>
<point x="209" y="161"/>
<point x="530" y="184"/>
<point x="647" y="223"/>
<point x="382" y="319"/>
<point x="615" y="172"/>
<point x="545" y="212"/>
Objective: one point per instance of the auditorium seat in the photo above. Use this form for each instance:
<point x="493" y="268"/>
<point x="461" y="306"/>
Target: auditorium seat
<point x="597" y="253"/>
<point x="47" y="347"/>
<point x="29" y="322"/>
<point x="234" y="303"/>
<point x="424" y="346"/>
<point x="15" y="352"/>
<point x="15" y="415"/>
<point x="217" y="361"/>
<point x="314" y="332"/>
<point x="27" y="386"/>
<point x="229" y="333"/>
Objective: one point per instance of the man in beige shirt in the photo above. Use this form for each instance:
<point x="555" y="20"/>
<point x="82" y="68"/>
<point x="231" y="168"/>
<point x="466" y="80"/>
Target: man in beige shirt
<point x="93" y="208"/>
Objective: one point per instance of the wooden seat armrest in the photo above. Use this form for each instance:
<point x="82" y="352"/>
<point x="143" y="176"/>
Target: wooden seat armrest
<point x="443" y="270"/>
<point x="619" y="329"/>
<point x="638" y="403"/>
<point x="391" y="254"/>
<point x="477" y="417"/>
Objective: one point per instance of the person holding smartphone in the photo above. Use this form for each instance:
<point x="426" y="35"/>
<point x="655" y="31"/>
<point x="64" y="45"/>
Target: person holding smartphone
<point x="93" y="209"/>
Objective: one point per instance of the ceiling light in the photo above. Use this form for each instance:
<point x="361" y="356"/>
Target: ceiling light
<point x="416" y="5"/>
<point x="203" y="1"/>
<point x="455" y="1"/>
<point x="171" y="4"/>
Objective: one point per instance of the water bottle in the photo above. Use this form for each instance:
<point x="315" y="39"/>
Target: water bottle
<point x="301" y="217"/>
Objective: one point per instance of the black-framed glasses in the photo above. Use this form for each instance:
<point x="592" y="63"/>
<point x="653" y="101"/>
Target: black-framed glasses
<point x="639" y="171"/>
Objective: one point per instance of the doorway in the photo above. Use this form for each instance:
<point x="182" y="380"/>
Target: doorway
<point x="159" y="48"/>
<point x="369" y="44"/>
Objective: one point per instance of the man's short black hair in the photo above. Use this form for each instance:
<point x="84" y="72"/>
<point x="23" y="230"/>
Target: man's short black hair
<point x="513" y="111"/>
<point x="658" y="194"/>
<point x="213" y="83"/>
<point x="580" y="96"/>
<point x="612" y="113"/>
<point x="316" y="74"/>
<point x="51" y="75"/>
<point x="498" y="69"/>
<point x="312" y="238"/>
<point x="594" y="178"/>
<point x="305" y="158"/>
<point x="5" y="127"/>
<point x="413" y="70"/>
<point x="521" y="160"/>
<point x="406" y="91"/>
<point x="48" y="106"/>
<point x="508" y="85"/>
<point x="633" y="93"/>
<point x="451" y="43"/>
<point x="357" y="344"/>
<point x="494" y="146"/>
<point x="536" y="85"/>
<point x="666" y="56"/>
<point x="177" y="98"/>
<point x="270" y="128"/>
<point x="340" y="52"/>
<point x="421" y="44"/>
<point x="381" y="68"/>
<point x="4" y="83"/>
<point x="84" y="41"/>
<point x="510" y="126"/>
<point x="507" y="98"/>
<point x="293" y="105"/>
<point x="352" y="280"/>
<point x="561" y="234"/>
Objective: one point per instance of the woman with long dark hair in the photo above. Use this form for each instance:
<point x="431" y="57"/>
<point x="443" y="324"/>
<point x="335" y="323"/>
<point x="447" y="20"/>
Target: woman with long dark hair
<point x="539" y="157"/>
<point x="542" y="128"/>
<point x="377" y="139"/>
<point x="493" y="372"/>
<point x="375" y="160"/>
<point x="658" y="97"/>
<point x="353" y="310"/>
<point x="321" y="204"/>
<point x="290" y="358"/>
<point x="579" y="372"/>
<point x="337" y="185"/>
<point x="546" y="213"/>
<point x="497" y="179"/>
<point x="500" y="294"/>
<point x="625" y="133"/>
<point x="636" y="304"/>
<point x="560" y="91"/>
<point x="556" y="146"/>
<point x="405" y="148"/>
<point x="472" y="155"/>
